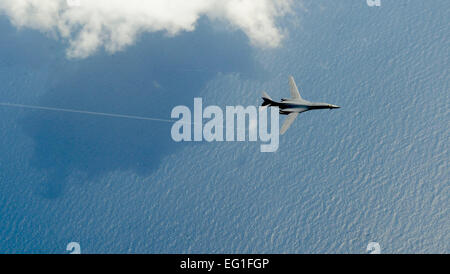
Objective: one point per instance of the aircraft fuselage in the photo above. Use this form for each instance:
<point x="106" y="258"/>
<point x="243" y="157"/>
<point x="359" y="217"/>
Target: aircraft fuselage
<point x="287" y="106"/>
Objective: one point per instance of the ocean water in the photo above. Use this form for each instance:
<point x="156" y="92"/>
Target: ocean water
<point x="376" y="170"/>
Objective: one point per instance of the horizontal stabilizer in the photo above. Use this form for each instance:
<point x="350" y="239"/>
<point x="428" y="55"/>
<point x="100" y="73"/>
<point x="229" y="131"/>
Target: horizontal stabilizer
<point x="267" y="100"/>
<point x="265" y="95"/>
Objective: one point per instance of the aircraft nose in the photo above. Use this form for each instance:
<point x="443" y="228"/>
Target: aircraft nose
<point x="334" y="106"/>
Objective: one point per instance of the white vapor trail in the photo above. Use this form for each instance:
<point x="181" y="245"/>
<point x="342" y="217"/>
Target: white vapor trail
<point x="113" y="115"/>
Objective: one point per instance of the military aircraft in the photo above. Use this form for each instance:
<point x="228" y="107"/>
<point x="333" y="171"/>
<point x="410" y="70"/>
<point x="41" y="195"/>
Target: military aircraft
<point x="294" y="106"/>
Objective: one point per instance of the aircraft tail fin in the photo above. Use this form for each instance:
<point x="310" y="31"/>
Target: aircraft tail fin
<point x="267" y="100"/>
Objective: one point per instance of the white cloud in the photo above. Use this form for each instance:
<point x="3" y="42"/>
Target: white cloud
<point x="115" y="24"/>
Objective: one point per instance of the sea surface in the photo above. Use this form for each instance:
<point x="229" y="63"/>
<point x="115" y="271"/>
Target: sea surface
<point x="376" y="170"/>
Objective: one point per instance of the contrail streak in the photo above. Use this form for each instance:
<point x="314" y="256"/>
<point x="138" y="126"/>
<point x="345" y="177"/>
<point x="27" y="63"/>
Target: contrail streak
<point x="113" y="115"/>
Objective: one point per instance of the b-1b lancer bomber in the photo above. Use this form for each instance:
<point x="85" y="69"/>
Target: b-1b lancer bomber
<point x="294" y="106"/>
